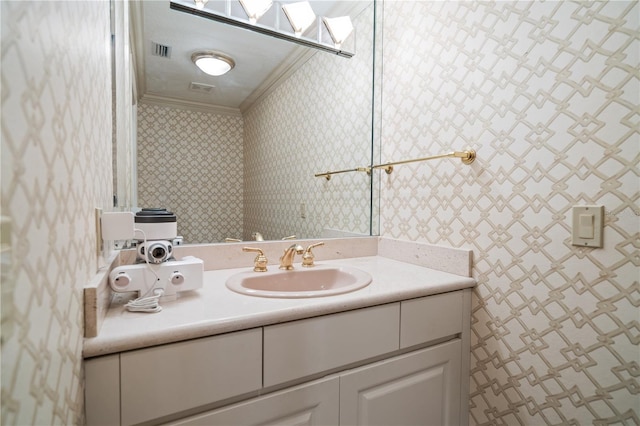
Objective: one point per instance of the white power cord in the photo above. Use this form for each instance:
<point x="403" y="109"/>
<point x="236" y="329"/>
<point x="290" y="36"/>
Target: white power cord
<point x="147" y="303"/>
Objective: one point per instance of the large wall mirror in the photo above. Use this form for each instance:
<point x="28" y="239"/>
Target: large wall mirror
<point x="234" y="156"/>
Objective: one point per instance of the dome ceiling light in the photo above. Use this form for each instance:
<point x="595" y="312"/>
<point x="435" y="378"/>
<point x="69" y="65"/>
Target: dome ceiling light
<point x="213" y="63"/>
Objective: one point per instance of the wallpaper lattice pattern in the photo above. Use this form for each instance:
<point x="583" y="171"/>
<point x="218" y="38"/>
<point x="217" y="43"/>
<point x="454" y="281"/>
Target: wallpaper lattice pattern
<point x="547" y="93"/>
<point x="318" y="120"/>
<point x="190" y="162"/>
<point x="56" y="168"/>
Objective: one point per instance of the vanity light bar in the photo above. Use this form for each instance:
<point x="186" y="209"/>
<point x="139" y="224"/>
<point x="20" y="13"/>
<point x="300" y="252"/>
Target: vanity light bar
<point x="214" y="16"/>
<point x="467" y="157"/>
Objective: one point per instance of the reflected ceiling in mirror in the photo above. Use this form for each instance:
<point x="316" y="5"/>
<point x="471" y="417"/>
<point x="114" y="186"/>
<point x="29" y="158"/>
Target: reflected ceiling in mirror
<point x="165" y="39"/>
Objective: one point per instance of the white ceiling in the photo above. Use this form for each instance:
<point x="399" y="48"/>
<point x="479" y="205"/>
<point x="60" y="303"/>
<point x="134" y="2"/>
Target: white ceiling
<point x="257" y="56"/>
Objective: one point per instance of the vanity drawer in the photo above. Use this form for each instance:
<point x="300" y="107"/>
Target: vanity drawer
<point x="306" y="347"/>
<point x="430" y="318"/>
<point x="168" y="379"/>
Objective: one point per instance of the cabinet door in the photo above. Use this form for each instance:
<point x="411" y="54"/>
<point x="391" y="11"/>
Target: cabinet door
<point x="419" y="388"/>
<point x="314" y="403"/>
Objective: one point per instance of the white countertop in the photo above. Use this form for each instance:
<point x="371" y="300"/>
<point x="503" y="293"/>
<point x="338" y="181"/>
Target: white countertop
<point x="214" y="309"/>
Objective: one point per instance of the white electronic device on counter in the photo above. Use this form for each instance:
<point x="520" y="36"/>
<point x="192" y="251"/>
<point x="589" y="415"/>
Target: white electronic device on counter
<point x="172" y="277"/>
<point x="157" y="275"/>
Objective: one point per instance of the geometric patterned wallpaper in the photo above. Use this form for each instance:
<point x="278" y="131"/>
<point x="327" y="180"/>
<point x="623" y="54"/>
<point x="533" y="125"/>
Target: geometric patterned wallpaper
<point x="547" y="93"/>
<point x="319" y="119"/>
<point x="56" y="168"/>
<point x="190" y="162"/>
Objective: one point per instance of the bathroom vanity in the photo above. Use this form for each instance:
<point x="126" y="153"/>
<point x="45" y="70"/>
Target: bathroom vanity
<point x="394" y="352"/>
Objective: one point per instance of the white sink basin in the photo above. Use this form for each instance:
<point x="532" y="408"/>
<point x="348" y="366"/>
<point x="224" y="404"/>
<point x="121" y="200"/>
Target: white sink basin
<point x="317" y="281"/>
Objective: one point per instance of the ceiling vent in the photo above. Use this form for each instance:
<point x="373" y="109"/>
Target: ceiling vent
<point x="201" y="87"/>
<point x="161" y="50"/>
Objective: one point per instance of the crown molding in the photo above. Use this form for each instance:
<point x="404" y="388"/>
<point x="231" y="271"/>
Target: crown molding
<point x="150" y="99"/>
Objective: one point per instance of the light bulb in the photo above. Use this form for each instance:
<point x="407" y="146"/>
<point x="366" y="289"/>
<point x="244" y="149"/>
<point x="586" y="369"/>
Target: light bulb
<point x="339" y="28"/>
<point x="255" y="8"/>
<point x="300" y="16"/>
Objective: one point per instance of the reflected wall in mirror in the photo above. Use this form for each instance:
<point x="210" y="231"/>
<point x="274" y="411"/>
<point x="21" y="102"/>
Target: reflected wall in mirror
<point x="236" y="154"/>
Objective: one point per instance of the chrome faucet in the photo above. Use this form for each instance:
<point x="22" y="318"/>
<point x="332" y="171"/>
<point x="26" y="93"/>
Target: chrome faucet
<point x="286" y="261"/>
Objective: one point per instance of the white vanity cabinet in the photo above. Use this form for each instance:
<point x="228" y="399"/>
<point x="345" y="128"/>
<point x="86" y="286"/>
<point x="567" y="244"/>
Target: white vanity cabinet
<point x="405" y="362"/>
<point x="418" y="388"/>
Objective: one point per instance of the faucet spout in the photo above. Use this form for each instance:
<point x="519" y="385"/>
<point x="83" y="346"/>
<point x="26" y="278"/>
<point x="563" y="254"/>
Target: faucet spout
<point x="286" y="261"/>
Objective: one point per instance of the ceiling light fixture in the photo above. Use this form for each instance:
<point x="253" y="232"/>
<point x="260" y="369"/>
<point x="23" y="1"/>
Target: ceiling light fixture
<point x="300" y="16"/>
<point x="279" y="30"/>
<point x="213" y="63"/>
<point x="200" y="3"/>
<point x="255" y="8"/>
<point x="339" y="28"/>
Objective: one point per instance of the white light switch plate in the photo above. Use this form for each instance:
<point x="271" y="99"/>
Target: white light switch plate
<point x="586" y="230"/>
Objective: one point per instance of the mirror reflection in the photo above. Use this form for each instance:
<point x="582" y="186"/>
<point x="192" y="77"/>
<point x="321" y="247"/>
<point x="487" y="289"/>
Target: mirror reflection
<point x="234" y="156"/>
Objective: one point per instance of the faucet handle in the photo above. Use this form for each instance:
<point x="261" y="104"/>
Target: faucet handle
<point x="260" y="262"/>
<point x="307" y="257"/>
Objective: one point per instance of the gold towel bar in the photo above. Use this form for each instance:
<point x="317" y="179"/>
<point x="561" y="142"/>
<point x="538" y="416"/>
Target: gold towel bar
<point x="327" y="175"/>
<point x="467" y="157"/>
